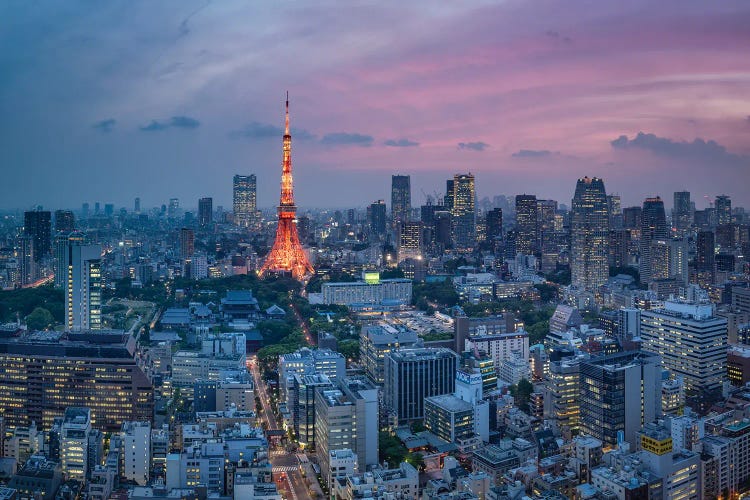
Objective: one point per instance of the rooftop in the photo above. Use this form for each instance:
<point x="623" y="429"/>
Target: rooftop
<point x="450" y="403"/>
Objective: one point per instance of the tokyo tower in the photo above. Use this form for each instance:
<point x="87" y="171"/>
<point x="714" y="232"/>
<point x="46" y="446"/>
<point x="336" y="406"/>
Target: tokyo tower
<point x="287" y="254"/>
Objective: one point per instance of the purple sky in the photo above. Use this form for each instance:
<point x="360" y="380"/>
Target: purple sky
<point x="105" y="101"/>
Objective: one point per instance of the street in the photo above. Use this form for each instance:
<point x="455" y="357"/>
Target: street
<point x="287" y="463"/>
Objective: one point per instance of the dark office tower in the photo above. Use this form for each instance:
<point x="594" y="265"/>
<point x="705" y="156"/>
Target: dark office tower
<point x="494" y="224"/>
<point x="723" y="207"/>
<point x="205" y="211"/>
<point x="173" y="208"/>
<point x="545" y="223"/>
<point x="653" y="228"/>
<point x="427" y="213"/>
<point x="705" y="256"/>
<point x="589" y="234"/>
<point x="615" y="211"/>
<point x="109" y="209"/>
<point x="244" y="201"/>
<point x="62" y="241"/>
<point x="27" y="268"/>
<point x="65" y="221"/>
<point x="443" y="228"/>
<point x="187" y="243"/>
<point x="526" y="223"/>
<point x="509" y="244"/>
<point x="619" y="394"/>
<point x="448" y="200"/>
<point x="351" y="216"/>
<point x="464" y="222"/>
<point x="682" y="213"/>
<point x="619" y="247"/>
<point x="400" y="199"/>
<point x="631" y="218"/>
<point x="137" y="206"/>
<point x="376" y="217"/>
<point x="97" y="208"/>
<point x="85" y="210"/>
<point x="38" y="226"/>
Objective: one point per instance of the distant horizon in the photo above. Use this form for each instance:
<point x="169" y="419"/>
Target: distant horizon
<point x="171" y="100"/>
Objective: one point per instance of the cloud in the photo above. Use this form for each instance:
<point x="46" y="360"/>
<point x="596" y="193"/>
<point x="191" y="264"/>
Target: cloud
<point x="697" y="151"/>
<point x="184" y="122"/>
<point x="473" y="146"/>
<point x="346" y="139"/>
<point x="258" y="130"/>
<point x="557" y="36"/>
<point x="401" y="143"/>
<point x="531" y="153"/>
<point x="105" y="125"/>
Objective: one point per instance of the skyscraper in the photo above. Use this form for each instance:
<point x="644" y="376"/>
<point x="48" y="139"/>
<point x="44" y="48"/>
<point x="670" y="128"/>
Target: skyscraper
<point x="494" y="224"/>
<point x="723" y="209"/>
<point x="653" y="228"/>
<point x="619" y="393"/>
<point x="705" y="257"/>
<point x="376" y="217"/>
<point x="410" y="241"/>
<point x="682" y="213"/>
<point x="65" y="221"/>
<point x="205" y="211"/>
<point x="137" y="206"/>
<point x="631" y="218"/>
<point x="62" y="241"/>
<point x="589" y="232"/>
<point x="244" y="200"/>
<point x="545" y="225"/>
<point x="37" y="224"/>
<point x="83" y="291"/>
<point x="464" y="222"/>
<point x="287" y="254"/>
<point x="187" y="243"/>
<point x="615" y="211"/>
<point x="27" y="268"/>
<point x="400" y="199"/>
<point x="526" y="223"/>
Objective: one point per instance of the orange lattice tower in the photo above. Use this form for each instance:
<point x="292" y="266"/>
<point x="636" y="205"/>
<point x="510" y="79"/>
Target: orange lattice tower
<point x="287" y="254"/>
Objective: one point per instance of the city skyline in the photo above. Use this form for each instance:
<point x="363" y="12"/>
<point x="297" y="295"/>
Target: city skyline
<point x="189" y="99"/>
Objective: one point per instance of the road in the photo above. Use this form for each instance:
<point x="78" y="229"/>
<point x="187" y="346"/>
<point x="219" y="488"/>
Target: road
<point x="295" y="487"/>
<point x="302" y="324"/>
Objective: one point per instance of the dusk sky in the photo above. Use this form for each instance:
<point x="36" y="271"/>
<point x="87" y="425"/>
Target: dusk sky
<point x="106" y="101"/>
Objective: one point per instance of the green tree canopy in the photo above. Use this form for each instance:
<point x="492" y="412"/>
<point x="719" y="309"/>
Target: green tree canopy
<point x="39" y="319"/>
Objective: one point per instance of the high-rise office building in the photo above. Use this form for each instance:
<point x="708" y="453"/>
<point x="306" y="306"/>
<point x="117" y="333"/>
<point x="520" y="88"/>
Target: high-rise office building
<point x="65" y="221"/>
<point x="682" y="213"/>
<point x="205" y="211"/>
<point x="62" y="241"/>
<point x="464" y="224"/>
<point x="526" y="223"/>
<point x="692" y="342"/>
<point x="614" y="204"/>
<point x="619" y="247"/>
<point x="411" y="375"/>
<point x="137" y="205"/>
<point x="631" y="218"/>
<point x="400" y="200"/>
<point x="109" y="209"/>
<point x="83" y="286"/>
<point x="705" y="257"/>
<point x="376" y="217"/>
<point x="410" y="243"/>
<point x="85" y="210"/>
<point x="619" y="393"/>
<point x="244" y="199"/>
<point x="187" y="243"/>
<point x="173" y="208"/>
<point x="589" y="231"/>
<point x="37" y="224"/>
<point x="74" y="443"/>
<point x="494" y="224"/>
<point x="653" y="228"/>
<point x="723" y="206"/>
<point x="82" y="370"/>
<point x="545" y="228"/>
<point x="449" y="194"/>
<point x="346" y="417"/>
<point x="27" y="263"/>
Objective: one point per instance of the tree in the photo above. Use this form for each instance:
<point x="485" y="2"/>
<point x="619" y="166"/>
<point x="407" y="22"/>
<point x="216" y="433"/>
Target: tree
<point x="415" y="459"/>
<point x="521" y="393"/>
<point x="39" y="319"/>
<point x="349" y="348"/>
<point x="547" y="292"/>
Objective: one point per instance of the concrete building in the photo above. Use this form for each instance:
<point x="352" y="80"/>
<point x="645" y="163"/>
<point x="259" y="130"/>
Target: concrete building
<point x="400" y="482"/>
<point x="306" y="361"/>
<point x="411" y="375"/>
<point x="395" y="291"/>
<point x="589" y="233"/>
<point x="82" y="286"/>
<point x="692" y="342"/>
<point x="501" y="346"/>
<point x="448" y="417"/>
<point x="74" y="443"/>
<point x="619" y="393"/>
<point x="136" y="451"/>
<point x="376" y="341"/>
